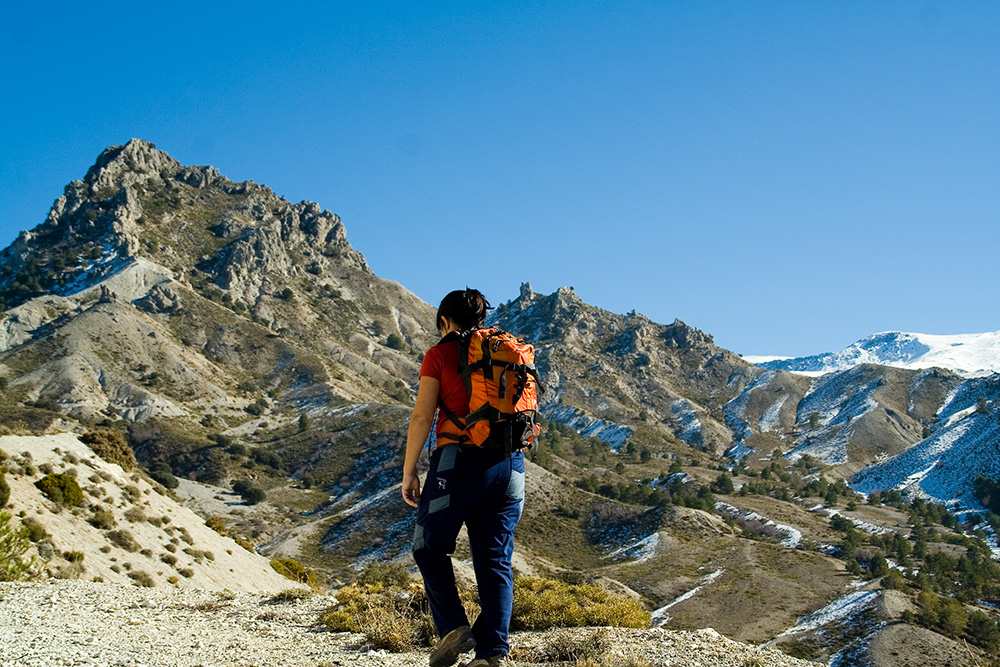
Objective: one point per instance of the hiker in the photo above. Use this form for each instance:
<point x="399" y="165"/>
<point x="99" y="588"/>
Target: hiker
<point x="476" y="474"/>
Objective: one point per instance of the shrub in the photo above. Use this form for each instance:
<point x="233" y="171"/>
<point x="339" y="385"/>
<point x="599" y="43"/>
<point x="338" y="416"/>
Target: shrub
<point x="564" y="647"/>
<point x="386" y="574"/>
<point x="264" y="457"/>
<point x="123" y="539"/>
<point x="135" y="515"/>
<point x="103" y="519"/>
<point x="36" y="531"/>
<point x="185" y="572"/>
<point x="893" y="580"/>
<point x="4" y="490"/>
<point x="141" y="578"/>
<point x="61" y="489"/>
<point x="541" y="603"/>
<point x="296" y="571"/>
<point x="250" y="492"/>
<point x="289" y="595"/>
<point x="111" y="445"/>
<point x="73" y="556"/>
<point x="14" y="543"/>
<point x="199" y="554"/>
<point x="245" y="543"/>
<point x="394" y="341"/>
<point x="391" y="618"/>
<point x="218" y="524"/>
<point x="165" y="476"/>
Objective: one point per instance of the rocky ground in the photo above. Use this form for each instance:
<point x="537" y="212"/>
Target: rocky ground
<point x="86" y="623"/>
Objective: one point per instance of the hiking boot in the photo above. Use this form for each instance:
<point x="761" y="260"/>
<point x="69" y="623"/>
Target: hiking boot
<point x="492" y="661"/>
<point x="452" y="645"/>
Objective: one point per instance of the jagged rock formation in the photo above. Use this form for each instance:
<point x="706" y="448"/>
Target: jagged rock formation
<point x="611" y="374"/>
<point x="146" y="263"/>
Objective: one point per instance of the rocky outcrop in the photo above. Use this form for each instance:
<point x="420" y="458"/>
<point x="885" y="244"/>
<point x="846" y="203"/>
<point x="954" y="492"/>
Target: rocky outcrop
<point x="606" y="370"/>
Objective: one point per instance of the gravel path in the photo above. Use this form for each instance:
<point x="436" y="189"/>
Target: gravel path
<point x="84" y="623"/>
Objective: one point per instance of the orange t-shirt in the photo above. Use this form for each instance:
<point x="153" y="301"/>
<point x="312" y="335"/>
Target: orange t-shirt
<point x="441" y="362"/>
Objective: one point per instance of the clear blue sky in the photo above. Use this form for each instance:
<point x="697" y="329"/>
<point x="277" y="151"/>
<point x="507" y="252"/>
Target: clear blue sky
<point x="787" y="176"/>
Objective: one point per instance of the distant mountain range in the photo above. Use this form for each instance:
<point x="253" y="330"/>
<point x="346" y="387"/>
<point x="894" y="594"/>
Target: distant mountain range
<point x="970" y="355"/>
<point x="233" y="335"/>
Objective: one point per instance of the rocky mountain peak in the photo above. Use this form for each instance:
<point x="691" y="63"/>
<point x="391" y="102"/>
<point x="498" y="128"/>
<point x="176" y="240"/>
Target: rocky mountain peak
<point x="134" y="162"/>
<point x="682" y="335"/>
<point x="136" y="200"/>
<point x="526" y="293"/>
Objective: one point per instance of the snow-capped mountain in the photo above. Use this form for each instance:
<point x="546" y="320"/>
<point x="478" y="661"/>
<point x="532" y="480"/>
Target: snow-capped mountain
<point x="971" y="355"/>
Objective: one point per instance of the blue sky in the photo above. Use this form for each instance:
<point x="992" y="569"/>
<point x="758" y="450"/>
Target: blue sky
<point x="786" y="176"/>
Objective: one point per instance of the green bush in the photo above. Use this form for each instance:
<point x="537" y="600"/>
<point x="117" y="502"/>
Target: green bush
<point x="4" y="491"/>
<point x="61" y="489"/>
<point x="111" y="445"/>
<point x="541" y="603"/>
<point x="250" y="492"/>
<point x="164" y="475"/>
<point x="14" y="543"/>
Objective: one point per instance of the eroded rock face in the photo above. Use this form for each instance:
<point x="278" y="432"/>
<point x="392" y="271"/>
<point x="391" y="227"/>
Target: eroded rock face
<point x="608" y="372"/>
<point x="160" y="299"/>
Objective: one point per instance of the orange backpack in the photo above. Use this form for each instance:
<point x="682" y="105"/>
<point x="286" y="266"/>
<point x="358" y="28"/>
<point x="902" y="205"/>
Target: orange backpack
<point x="503" y="389"/>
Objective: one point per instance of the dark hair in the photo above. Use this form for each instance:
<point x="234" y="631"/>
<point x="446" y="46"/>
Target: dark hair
<point x="466" y="308"/>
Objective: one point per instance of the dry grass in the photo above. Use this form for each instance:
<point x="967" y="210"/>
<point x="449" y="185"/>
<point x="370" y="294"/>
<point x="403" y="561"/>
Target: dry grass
<point x="568" y="647"/>
<point x="296" y="571"/>
<point x="541" y="603"/>
<point x="289" y="595"/>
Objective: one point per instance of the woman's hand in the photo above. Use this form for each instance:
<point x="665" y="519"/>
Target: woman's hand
<point x="411" y="490"/>
<point x="421" y="421"/>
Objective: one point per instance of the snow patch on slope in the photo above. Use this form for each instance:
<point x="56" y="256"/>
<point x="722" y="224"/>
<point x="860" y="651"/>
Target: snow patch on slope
<point x="688" y="425"/>
<point x="837" y="400"/>
<point x="661" y="617"/>
<point x="838" y="610"/>
<point x="788" y="536"/>
<point x="943" y="466"/>
<point x="612" y="433"/>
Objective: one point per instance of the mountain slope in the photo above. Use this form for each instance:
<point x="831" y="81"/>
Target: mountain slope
<point x="125" y="529"/>
<point x="848" y="418"/>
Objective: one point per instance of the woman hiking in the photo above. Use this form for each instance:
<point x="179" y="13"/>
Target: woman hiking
<point x="479" y="486"/>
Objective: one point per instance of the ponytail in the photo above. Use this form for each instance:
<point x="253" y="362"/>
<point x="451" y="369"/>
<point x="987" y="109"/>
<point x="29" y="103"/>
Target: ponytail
<point x="466" y="308"/>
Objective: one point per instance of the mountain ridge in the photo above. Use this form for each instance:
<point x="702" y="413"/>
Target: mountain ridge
<point x="971" y="355"/>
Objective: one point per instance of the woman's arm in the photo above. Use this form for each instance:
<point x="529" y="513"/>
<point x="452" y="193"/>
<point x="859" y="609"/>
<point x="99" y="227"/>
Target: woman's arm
<point x="421" y="420"/>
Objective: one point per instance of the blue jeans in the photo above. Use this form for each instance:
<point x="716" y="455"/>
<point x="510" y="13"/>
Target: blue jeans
<point x="484" y="490"/>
